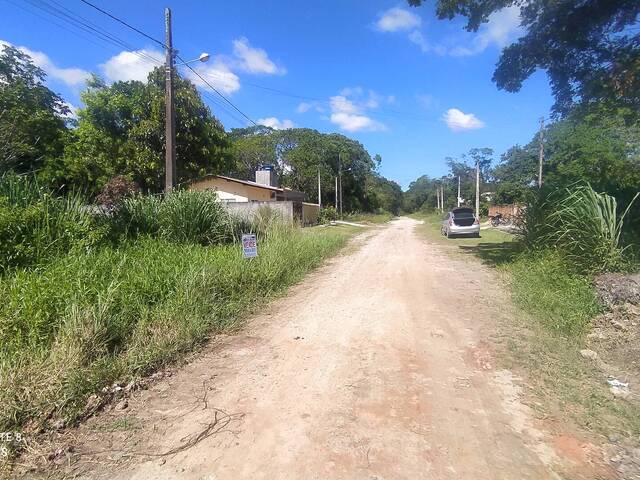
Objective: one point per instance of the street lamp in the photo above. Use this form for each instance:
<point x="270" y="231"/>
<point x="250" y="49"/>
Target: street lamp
<point x="204" y="57"/>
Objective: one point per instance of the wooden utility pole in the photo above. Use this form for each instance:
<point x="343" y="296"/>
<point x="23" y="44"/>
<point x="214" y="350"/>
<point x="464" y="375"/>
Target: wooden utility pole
<point x="336" y="203"/>
<point x="319" y="189"/>
<point x="340" y="181"/>
<point x="170" y="128"/>
<point x="438" y="197"/>
<point x="458" y="202"/>
<point x="442" y="196"/>
<point x="478" y="188"/>
<point x="540" y="151"/>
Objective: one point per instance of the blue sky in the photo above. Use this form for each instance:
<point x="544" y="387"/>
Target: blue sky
<point x="411" y="88"/>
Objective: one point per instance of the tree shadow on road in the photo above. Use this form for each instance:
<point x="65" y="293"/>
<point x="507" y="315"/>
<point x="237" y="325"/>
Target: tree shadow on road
<point x="493" y="254"/>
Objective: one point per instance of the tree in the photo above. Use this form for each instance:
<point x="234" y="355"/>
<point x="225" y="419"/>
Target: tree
<point x="382" y="194"/>
<point x="517" y="173"/>
<point x="586" y="47"/>
<point x="32" y="117"/>
<point x="299" y="154"/>
<point x="121" y="132"/>
<point x="252" y="147"/>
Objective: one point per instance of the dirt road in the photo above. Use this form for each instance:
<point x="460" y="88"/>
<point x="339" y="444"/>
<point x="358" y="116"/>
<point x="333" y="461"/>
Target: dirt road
<point x="375" y="367"/>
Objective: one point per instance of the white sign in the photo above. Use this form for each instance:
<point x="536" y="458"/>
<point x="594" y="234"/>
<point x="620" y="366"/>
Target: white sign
<point x="249" y="245"/>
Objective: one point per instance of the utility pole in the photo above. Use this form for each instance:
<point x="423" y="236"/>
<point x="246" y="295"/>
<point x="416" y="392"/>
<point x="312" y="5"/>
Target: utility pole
<point x="478" y="188"/>
<point x="438" y="197"/>
<point x="319" y="189"/>
<point x="336" y="203"/>
<point x="442" y="196"/>
<point x="541" y="151"/>
<point x="458" y="190"/>
<point x="340" y="181"/>
<point x="170" y="128"/>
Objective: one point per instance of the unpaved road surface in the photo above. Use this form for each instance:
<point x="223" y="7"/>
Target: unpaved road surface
<point x="375" y="367"/>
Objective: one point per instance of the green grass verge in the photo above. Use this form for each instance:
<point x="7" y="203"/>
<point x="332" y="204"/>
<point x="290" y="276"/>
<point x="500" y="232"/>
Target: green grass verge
<point x="541" y="284"/>
<point x="374" y="218"/>
<point x="545" y="336"/>
<point x="89" y="319"/>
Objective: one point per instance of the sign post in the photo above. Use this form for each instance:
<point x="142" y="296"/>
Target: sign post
<point x="249" y="245"/>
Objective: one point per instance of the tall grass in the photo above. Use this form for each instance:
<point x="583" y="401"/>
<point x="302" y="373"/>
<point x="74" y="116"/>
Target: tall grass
<point x="586" y="226"/>
<point x="91" y="318"/>
<point x="90" y="298"/>
<point x="191" y="217"/>
<point x="36" y="226"/>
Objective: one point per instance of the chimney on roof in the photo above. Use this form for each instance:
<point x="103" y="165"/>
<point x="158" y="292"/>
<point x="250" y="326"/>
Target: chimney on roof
<point x="266" y="175"/>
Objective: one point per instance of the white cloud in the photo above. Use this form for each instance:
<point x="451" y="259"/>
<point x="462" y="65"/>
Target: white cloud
<point x="69" y="76"/>
<point x="397" y="19"/>
<point x="503" y="27"/>
<point x="254" y="60"/>
<point x="459" y="121"/>
<point x="276" y="124"/>
<point x="340" y="103"/>
<point x="131" y="65"/>
<point x="304" y="107"/>
<point x="217" y="74"/>
<point x="419" y="39"/>
<point x="350" y="117"/>
<point x="354" y="123"/>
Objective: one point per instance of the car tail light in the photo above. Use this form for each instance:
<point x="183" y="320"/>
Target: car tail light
<point x="477" y="222"/>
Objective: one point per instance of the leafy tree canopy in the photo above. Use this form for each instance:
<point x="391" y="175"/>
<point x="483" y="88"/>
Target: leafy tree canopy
<point x="301" y="154"/>
<point x="595" y="146"/>
<point x="121" y="132"/>
<point x="589" y="48"/>
<point x="32" y="117"/>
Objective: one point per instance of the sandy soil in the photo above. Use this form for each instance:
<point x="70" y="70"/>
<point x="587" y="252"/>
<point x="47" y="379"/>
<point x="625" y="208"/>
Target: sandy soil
<point x="377" y="366"/>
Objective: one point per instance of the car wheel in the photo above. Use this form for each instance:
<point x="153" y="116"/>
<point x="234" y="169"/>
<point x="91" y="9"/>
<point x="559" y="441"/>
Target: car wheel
<point x="448" y="234"/>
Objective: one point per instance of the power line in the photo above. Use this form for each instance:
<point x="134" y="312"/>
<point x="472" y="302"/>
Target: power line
<point x="177" y="56"/>
<point x="274" y="90"/>
<point x="86" y="26"/>
<point x="83" y="25"/>
<point x="216" y="90"/>
<point x="60" y="25"/>
<point x="162" y="44"/>
<point x="379" y="111"/>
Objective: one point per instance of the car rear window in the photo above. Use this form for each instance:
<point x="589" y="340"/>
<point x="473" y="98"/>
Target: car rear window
<point x="464" y="214"/>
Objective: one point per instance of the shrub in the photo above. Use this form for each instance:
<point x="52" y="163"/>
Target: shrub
<point x="584" y="224"/>
<point x="138" y="215"/>
<point x="32" y="233"/>
<point x="181" y="216"/>
<point x="116" y="190"/>
<point x="193" y="217"/>
<point x="327" y="214"/>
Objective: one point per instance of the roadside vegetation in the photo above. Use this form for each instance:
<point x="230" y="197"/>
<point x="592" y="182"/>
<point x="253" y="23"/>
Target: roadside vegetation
<point x="93" y="299"/>
<point x="103" y="278"/>
<point x="567" y="239"/>
<point x="369" y="218"/>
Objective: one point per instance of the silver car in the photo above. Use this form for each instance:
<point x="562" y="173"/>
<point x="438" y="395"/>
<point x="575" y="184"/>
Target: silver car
<point x="460" y="221"/>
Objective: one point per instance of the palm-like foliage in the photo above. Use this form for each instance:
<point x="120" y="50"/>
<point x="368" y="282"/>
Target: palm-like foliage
<point x="584" y="224"/>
